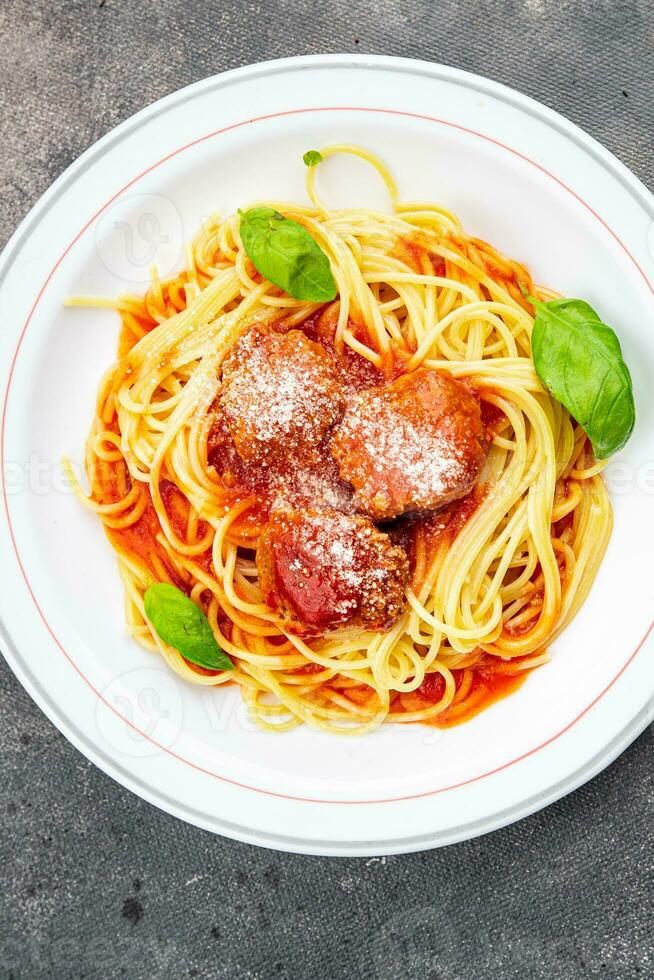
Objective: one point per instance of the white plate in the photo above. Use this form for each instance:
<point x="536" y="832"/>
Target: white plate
<point x="519" y="176"/>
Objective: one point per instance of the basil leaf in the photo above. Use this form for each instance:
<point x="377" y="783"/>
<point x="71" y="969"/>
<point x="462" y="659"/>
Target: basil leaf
<point x="579" y="360"/>
<point x="182" y="625"/>
<point x="312" y="157"/>
<point x="284" y="252"/>
<point x="578" y="311"/>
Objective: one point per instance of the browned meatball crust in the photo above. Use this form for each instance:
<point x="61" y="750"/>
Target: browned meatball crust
<point x="280" y="394"/>
<point x="415" y="445"/>
<point x="328" y="570"/>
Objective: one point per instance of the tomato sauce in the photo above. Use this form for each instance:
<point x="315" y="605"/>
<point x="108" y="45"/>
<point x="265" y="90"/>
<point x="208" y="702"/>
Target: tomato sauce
<point x="492" y="418"/>
<point x="357" y="372"/>
<point x="415" y="250"/>
<point x="139" y="540"/>
<point x="488" y="686"/>
<point x="419" y="534"/>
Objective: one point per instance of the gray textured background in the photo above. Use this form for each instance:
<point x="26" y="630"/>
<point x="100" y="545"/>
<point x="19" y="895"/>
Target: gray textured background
<point x="97" y="883"/>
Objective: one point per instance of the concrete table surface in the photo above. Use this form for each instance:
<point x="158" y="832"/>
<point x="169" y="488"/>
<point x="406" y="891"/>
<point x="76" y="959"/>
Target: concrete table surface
<point x="99" y="884"/>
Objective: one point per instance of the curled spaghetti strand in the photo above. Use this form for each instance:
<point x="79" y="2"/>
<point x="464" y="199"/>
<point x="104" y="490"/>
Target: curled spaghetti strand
<point x="491" y="586"/>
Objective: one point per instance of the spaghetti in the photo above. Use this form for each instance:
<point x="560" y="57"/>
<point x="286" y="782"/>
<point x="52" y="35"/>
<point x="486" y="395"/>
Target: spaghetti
<point x="493" y="577"/>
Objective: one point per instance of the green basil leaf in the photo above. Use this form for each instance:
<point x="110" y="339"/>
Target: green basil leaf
<point x="182" y="625"/>
<point x="579" y="360"/>
<point x="312" y="157"/>
<point x="578" y="311"/>
<point x="284" y="252"/>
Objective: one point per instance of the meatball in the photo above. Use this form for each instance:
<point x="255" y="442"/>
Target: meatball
<point x="279" y="396"/>
<point x="321" y="571"/>
<point x="414" y="445"/>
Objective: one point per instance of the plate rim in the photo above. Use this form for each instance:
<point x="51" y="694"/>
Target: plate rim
<point x="21" y="669"/>
<point x="326" y="847"/>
